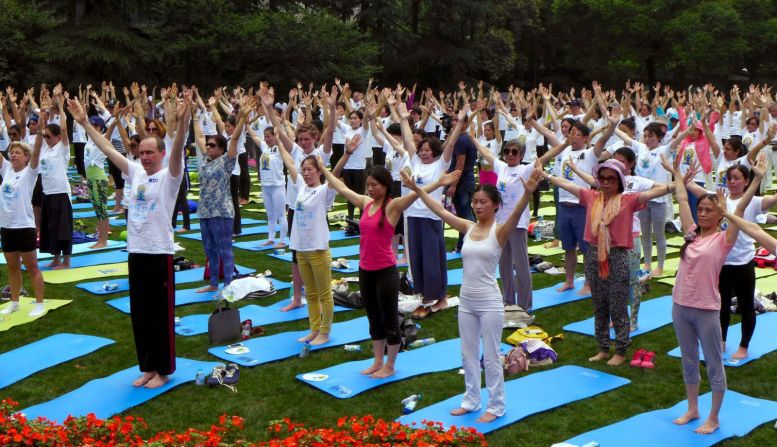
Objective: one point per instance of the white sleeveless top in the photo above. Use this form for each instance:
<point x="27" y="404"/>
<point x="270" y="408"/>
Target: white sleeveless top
<point x="479" y="289"/>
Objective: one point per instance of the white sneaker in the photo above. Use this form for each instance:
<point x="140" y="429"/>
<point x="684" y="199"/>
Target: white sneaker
<point x="13" y="307"/>
<point x="37" y="311"/>
<point x="178" y="247"/>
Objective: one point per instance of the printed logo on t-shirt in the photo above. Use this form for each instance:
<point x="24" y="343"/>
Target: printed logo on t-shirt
<point x="389" y="164"/>
<point x="419" y="180"/>
<point x="501" y="185"/>
<point x="567" y="172"/>
<point x="141" y="193"/>
<point x="522" y="139"/>
<point x="722" y="178"/>
<point x="747" y="141"/>
<point x="265" y="162"/>
<point x="689" y="154"/>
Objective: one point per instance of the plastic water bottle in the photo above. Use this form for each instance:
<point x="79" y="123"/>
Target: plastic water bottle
<point x="199" y="379"/>
<point x="305" y="350"/>
<point x="537" y="234"/>
<point x="422" y="342"/>
<point x="409" y="403"/>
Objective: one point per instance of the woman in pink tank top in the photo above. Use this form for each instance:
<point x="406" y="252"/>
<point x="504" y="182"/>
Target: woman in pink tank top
<point x="378" y="276"/>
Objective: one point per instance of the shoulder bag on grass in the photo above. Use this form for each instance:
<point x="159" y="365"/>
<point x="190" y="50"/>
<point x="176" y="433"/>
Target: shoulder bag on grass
<point x="223" y="324"/>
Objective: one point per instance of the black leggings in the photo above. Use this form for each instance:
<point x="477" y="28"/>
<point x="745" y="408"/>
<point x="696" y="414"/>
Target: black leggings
<point x="355" y="181"/>
<point x="79" y="150"/>
<point x="182" y="205"/>
<point x="337" y="152"/>
<point x="115" y="172"/>
<point x="234" y="188"/>
<point x="739" y="281"/>
<point x="245" y="179"/>
<point x="380" y="292"/>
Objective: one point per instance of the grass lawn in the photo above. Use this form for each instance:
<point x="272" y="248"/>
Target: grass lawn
<point x="270" y="391"/>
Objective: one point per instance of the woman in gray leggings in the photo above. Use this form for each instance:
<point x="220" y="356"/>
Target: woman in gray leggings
<point x="696" y="308"/>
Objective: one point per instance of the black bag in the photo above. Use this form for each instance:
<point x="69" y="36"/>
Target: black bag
<point x="405" y="287"/>
<point x="351" y="300"/>
<point x="180" y="264"/>
<point x="408" y="331"/>
<point x="223" y="324"/>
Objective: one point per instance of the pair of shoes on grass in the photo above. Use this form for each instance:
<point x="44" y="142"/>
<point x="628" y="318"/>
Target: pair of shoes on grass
<point x="643" y="359"/>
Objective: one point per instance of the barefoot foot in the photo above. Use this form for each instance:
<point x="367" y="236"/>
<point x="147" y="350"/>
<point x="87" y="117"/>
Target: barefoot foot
<point x="374" y="367"/>
<point x="385" y="371"/>
<point x="687" y="417"/>
<point x="144" y="379"/>
<point x="658" y="271"/>
<point x="291" y="306"/>
<point x="616" y="360"/>
<point x="486" y="417"/>
<point x="602" y="355"/>
<point x="320" y="339"/>
<point x="553" y="244"/>
<point x="267" y="243"/>
<point x="207" y="289"/>
<point x="566" y="286"/>
<point x="52" y="264"/>
<point x="740" y="354"/>
<point x="707" y="427"/>
<point x="307" y="338"/>
<point x="584" y="291"/>
<point x="459" y="411"/>
<point x="157" y="381"/>
<point x="61" y="267"/>
<point x="99" y="245"/>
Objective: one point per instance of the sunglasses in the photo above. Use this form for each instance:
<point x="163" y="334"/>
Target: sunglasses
<point x="212" y="145"/>
<point x="46" y="135"/>
<point x="607" y="178"/>
<point x="512" y="152"/>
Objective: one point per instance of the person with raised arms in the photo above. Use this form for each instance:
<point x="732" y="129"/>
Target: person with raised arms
<point x="481" y="311"/>
<point x="695" y="296"/>
<point x="150" y="242"/>
<point x="17" y="222"/>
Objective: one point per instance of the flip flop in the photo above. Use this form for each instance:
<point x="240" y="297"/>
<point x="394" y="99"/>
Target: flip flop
<point x="421" y="313"/>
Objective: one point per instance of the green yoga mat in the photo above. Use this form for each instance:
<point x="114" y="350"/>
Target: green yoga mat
<point x="765" y="282"/>
<point x="547" y="211"/>
<point x="82" y="273"/>
<point x="675" y="241"/>
<point x="25" y="306"/>
<point x="669" y="251"/>
<point x="540" y="250"/>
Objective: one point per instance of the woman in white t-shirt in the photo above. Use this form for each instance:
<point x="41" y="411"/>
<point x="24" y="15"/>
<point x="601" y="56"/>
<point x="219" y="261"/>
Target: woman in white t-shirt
<point x="310" y="239"/>
<point x="17" y="223"/>
<point x="492" y="139"/>
<point x="270" y="170"/>
<point x="56" y="220"/>
<point x="428" y="263"/>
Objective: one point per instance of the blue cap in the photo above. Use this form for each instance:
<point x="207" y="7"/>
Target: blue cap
<point x="96" y="121"/>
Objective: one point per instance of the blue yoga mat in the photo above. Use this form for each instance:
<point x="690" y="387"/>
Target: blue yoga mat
<point x="259" y="316"/>
<point x="653" y="314"/>
<point x="35" y="357"/>
<point x="280" y="346"/>
<point x="246" y="232"/>
<point x="186" y="276"/>
<point x="115" y="393"/>
<point x="739" y="415"/>
<point x="186" y="296"/>
<point x="345" y="380"/>
<point x="763" y="342"/>
<point x="88" y="205"/>
<point x="90" y="213"/>
<point x="123" y="222"/>
<point x="81" y="248"/>
<point x="549" y="296"/>
<point x="105" y="257"/>
<point x="338" y="235"/>
<point x="531" y="394"/>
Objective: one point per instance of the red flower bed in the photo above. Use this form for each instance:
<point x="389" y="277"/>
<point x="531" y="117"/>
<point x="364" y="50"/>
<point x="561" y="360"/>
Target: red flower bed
<point x="15" y="429"/>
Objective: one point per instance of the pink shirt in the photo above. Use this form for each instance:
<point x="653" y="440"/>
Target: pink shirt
<point x="620" y="227"/>
<point x="375" y="242"/>
<point x="697" y="277"/>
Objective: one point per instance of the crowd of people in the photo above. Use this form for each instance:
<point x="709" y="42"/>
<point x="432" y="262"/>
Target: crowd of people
<point x="410" y="161"/>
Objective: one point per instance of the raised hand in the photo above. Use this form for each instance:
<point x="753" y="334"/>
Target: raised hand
<point x="449" y="178"/>
<point x="759" y="170"/>
<point x="352" y="144"/>
<point x="534" y="180"/>
<point x="407" y="180"/>
<point x="75" y="109"/>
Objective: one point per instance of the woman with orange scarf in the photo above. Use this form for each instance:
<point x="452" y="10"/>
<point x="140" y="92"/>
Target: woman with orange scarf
<point x="608" y="231"/>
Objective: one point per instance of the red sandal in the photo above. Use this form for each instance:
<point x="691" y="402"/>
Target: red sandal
<point x="647" y="360"/>
<point x="638" y="356"/>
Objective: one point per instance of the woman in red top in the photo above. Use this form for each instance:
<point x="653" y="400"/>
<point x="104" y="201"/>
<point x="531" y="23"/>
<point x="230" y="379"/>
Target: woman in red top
<point x="608" y="222"/>
<point x="378" y="276"/>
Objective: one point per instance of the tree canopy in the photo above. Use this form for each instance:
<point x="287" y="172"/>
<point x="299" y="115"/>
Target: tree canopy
<point x="433" y="43"/>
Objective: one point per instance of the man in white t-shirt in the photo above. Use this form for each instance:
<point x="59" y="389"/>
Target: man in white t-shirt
<point x="150" y="242"/>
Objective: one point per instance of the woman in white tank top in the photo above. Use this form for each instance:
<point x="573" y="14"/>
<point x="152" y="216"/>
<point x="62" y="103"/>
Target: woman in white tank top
<point x="481" y="312"/>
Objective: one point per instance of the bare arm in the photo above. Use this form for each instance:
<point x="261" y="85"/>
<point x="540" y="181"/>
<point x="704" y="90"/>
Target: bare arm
<point x="102" y="143"/>
<point x="503" y="231"/>
<point x="182" y="116"/>
<point x="564" y="183"/>
<point x="450" y="141"/>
